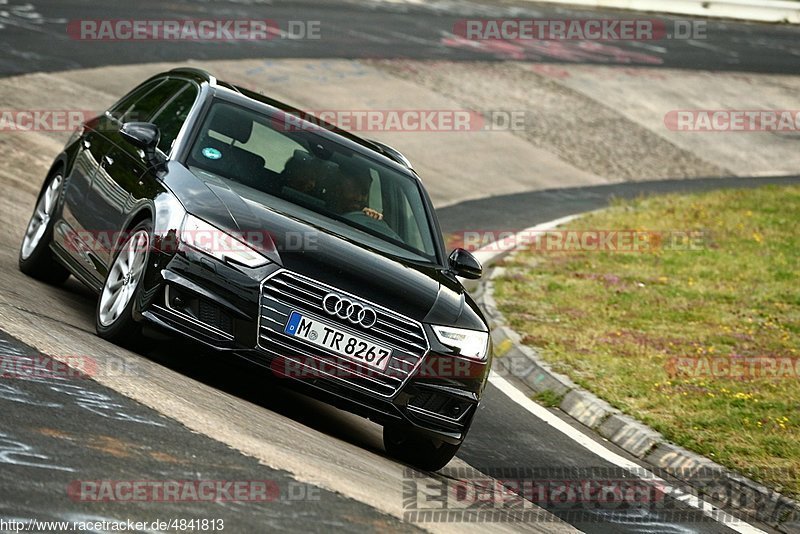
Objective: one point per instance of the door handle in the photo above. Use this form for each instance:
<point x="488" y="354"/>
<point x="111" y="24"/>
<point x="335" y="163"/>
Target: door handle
<point x="108" y="161"/>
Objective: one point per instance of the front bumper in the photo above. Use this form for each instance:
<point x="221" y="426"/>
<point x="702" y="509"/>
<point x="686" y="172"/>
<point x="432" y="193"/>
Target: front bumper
<point x="234" y="310"/>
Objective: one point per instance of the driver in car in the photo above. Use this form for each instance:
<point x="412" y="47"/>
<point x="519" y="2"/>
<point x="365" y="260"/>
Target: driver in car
<point x="351" y="193"/>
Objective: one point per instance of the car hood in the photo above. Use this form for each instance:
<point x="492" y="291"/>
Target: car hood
<point x="421" y="291"/>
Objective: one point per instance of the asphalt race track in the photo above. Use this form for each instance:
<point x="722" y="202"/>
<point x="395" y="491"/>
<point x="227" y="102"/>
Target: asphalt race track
<point x="34" y="40"/>
<point x="181" y="413"/>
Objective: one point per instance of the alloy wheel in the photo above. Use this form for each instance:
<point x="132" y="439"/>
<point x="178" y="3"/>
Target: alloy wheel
<point x="123" y="278"/>
<point x="40" y="219"/>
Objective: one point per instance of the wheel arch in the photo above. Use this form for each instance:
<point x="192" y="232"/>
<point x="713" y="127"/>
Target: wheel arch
<point x="142" y="213"/>
<point x="60" y="163"/>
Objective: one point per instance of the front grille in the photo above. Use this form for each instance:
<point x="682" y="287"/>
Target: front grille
<point x="286" y="291"/>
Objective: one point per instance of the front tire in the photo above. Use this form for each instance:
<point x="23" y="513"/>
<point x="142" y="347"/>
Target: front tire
<point x="114" y="315"/>
<point x="420" y="451"/>
<point x="35" y="257"/>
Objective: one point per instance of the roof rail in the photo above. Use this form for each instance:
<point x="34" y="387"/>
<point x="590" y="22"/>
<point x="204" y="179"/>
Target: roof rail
<point x="392" y="153"/>
<point x="230" y="86"/>
<point x="200" y="73"/>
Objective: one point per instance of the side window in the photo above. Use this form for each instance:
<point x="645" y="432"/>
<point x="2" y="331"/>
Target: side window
<point x="142" y="104"/>
<point x="144" y="108"/>
<point x="171" y="117"/>
<point x="121" y="108"/>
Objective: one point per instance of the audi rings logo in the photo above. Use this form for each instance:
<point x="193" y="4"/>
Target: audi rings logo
<point x="345" y="308"/>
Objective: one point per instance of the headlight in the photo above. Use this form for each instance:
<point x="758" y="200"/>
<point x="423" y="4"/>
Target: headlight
<point x="210" y="240"/>
<point x="469" y="343"/>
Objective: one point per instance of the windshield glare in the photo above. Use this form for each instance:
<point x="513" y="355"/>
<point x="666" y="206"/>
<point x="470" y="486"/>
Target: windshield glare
<point x="298" y="166"/>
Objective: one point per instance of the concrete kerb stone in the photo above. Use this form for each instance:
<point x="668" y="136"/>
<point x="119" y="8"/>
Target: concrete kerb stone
<point x="669" y="456"/>
<point x="586" y="408"/>
<point x="630" y="434"/>
<point x="512" y="357"/>
<point x="522" y="363"/>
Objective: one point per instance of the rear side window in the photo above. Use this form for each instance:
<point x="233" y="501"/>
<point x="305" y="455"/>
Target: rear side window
<point x="171" y="117"/>
<point x="119" y="110"/>
<point x="143" y="102"/>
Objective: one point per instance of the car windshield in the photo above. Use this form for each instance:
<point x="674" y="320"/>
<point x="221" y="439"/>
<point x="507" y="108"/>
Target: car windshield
<point x="371" y="202"/>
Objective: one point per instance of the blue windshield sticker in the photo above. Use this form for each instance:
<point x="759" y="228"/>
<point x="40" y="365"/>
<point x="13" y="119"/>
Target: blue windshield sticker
<point x="212" y="153"/>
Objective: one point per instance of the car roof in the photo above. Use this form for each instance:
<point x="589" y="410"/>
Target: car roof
<point x="321" y="127"/>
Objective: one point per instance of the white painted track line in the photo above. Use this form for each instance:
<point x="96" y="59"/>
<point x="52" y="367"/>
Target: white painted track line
<point x="608" y="455"/>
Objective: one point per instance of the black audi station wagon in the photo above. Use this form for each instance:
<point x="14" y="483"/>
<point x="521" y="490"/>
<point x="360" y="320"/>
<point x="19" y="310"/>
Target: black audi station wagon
<point x="213" y="212"/>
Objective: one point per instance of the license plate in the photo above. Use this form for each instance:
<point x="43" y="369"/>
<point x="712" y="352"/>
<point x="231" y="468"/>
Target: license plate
<point x="338" y="341"/>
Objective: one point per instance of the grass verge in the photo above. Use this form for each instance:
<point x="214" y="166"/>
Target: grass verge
<point x="699" y="342"/>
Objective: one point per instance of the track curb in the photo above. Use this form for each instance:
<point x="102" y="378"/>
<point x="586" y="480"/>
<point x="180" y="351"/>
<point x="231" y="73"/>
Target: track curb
<point x="523" y="362"/>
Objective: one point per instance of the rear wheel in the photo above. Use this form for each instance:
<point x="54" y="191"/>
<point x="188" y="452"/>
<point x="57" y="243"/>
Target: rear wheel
<point x="418" y="450"/>
<point x="35" y="257"/>
<point x="114" y="316"/>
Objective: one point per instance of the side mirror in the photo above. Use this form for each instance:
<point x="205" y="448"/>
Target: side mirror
<point x="143" y="135"/>
<point x="465" y="265"/>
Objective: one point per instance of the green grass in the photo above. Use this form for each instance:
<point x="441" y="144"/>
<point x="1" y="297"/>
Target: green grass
<point x="615" y="321"/>
<point x="548" y="398"/>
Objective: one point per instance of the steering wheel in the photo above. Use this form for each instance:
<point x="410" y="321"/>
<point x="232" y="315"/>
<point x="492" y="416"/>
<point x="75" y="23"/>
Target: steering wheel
<point x="365" y="220"/>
